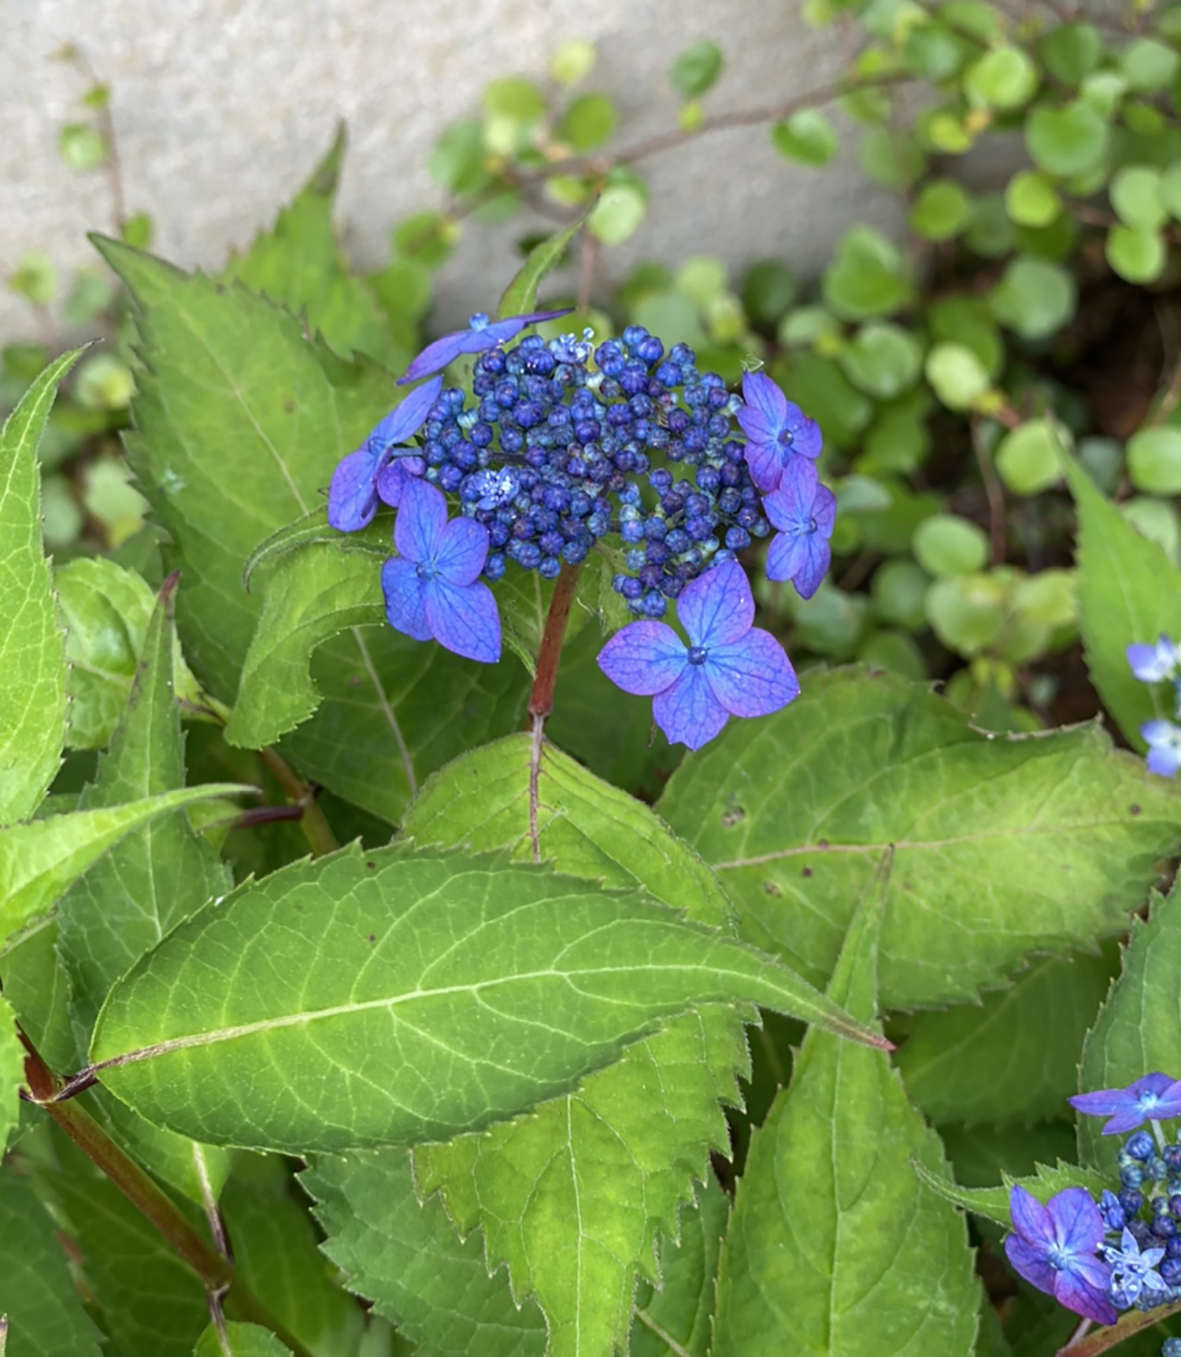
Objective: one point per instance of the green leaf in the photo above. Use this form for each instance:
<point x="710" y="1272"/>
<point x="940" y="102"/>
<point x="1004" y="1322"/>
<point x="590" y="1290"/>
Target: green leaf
<point x="105" y="611"/>
<point x="946" y="544"/>
<point x="941" y="210"/>
<point x="408" y="1260"/>
<point x="966" y="612"/>
<point x="957" y="375"/>
<point x="1154" y="460"/>
<point x="277" y="1256"/>
<point x="1128" y="591"/>
<point x="573" y="61"/>
<point x="1071" y="51"/>
<point x="148" y="1299"/>
<point x="993" y="1202"/>
<point x="1003" y="78"/>
<point x="1013" y="1057"/>
<point x="434" y="703"/>
<point x="618" y="212"/>
<point x="1139" y="1027"/>
<point x="298" y="263"/>
<point x="696" y="69"/>
<point x="41" y="860"/>
<point x="1136" y="196"/>
<point x="520" y="297"/>
<point x="399" y="1016"/>
<point x="619" y="1155"/>
<point x="44" y="1309"/>
<point x="32" y="655"/>
<point x="34" y="278"/>
<point x="807" y="137"/>
<point x="83" y="147"/>
<point x="588" y="122"/>
<point x="813" y="1246"/>
<point x="1028" y="457"/>
<point x="1136" y="254"/>
<point x="1067" y="141"/>
<point x="883" y="359"/>
<point x="228" y="370"/>
<point x="1002" y="845"/>
<point x="867" y="278"/>
<point x="1034" y="297"/>
<point x="1148" y="65"/>
<point x="1031" y="199"/>
<point x="458" y="159"/>
<point x="143" y="887"/>
<point x="12" y="1072"/>
<point x="682" y="1310"/>
<point x="240" y="1340"/>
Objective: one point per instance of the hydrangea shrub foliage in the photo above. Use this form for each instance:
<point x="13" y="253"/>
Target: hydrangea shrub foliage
<point x="478" y="881"/>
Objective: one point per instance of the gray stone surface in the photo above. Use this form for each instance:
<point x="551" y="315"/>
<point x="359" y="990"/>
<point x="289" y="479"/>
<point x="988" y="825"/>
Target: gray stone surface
<point x="223" y="106"/>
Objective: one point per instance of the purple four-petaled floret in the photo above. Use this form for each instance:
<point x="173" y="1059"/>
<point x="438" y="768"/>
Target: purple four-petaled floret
<point x="729" y="668"/>
<point x="775" y="429"/>
<point x="804" y="512"/>
<point x="481" y="334"/>
<point x="359" y="480"/>
<point x="432" y="587"/>
<point x="1055" y="1248"/>
<point x="1154" y="1097"/>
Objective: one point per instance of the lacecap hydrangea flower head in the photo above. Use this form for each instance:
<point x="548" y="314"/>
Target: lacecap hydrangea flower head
<point x="563" y="447"/>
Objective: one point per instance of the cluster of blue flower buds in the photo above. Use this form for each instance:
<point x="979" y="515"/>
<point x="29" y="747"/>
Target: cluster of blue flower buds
<point x="1124" y="1251"/>
<point x="561" y="444"/>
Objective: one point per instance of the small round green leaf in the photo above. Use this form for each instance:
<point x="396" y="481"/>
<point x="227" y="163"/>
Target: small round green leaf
<point x="82" y="146"/>
<point x="1136" y="196"/>
<point x="1067" y="141"/>
<point x="457" y="161"/>
<point x="807" y="137"/>
<point x="1048" y="598"/>
<point x="898" y="590"/>
<point x="1148" y="65"/>
<point x="1027" y="457"/>
<point x="35" y="278"/>
<point x="1154" y="460"/>
<point x="696" y="69"/>
<point x="966" y="612"/>
<point x="883" y="360"/>
<point x="990" y="232"/>
<point x="946" y="544"/>
<point x="890" y="158"/>
<point x="1034" y="297"/>
<point x="967" y="321"/>
<point x="1071" y="51"/>
<point x="573" y="61"/>
<point x="1157" y="520"/>
<point x="618" y="213"/>
<point x="941" y="210"/>
<point x="515" y="98"/>
<point x="589" y="121"/>
<point x="868" y="277"/>
<point x="1136" y="254"/>
<point x="1002" y="78"/>
<point x="949" y="133"/>
<point x="1031" y="199"/>
<point x="957" y="375"/>
<point x="768" y="289"/>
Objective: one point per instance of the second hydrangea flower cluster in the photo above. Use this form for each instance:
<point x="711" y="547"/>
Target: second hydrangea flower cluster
<point x="562" y="444"/>
<point x="1160" y="665"/>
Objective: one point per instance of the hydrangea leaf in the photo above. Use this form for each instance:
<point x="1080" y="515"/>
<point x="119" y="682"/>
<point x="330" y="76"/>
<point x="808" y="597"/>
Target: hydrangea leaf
<point x="240" y="420"/>
<point x="993" y="1202"/>
<point x="299" y="264"/>
<point x="682" y="1310"/>
<point x="1128" y="591"/>
<point x="348" y="1002"/>
<point x="1012" y="1057"/>
<point x="45" y="1314"/>
<point x="1139" y="1027"/>
<point x="41" y="860"/>
<point x="37" y="987"/>
<point x="105" y="610"/>
<point x="1004" y="845"/>
<point x="32" y="653"/>
<point x="145" y="885"/>
<point x="244" y="1340"/>
<point x="277" y="1257"/>
<point x="147" y="1298"/>
<point x="12" y="1072"/>
<point x="520" y="297"/>
<point x="408" y="1260"/>
<point x="814" y="1255"/>
<point x="572" y="1195"/>
<point x="437" y="702"/>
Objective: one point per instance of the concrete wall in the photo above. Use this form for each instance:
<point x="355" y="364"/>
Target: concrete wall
<point x="223" y="106"/>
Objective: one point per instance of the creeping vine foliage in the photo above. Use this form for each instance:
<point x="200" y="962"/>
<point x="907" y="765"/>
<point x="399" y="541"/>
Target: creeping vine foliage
<point x="438" y="916"/>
